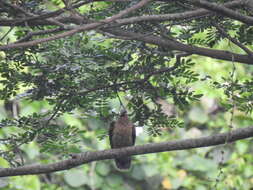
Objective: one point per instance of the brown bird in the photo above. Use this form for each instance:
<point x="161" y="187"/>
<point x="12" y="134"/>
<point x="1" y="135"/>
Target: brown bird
<point x="122" y="134"/>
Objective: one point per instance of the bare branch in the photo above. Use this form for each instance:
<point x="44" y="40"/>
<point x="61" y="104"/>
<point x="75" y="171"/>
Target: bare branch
<point x="175" y="45"/>
<point x="76" y="30"/>
<point x="87" y="157"/>
<point x="177" y="16"/>
<point x="165" y="17"/>
<point x="224" y="11"/>
<point x="47" y="15"/>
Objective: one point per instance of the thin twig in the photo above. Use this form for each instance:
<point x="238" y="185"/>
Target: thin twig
<point x="11" y="28"/>
<point x="236" y="42"/>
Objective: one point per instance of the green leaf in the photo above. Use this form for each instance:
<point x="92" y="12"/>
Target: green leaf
<point x="138" y="173"/>
<point x="198" y="163"/>
<point x="26" y="182"/>
<point x="102" y="168"/>
<point x="150" y="170"/>
<point x="76" y="178"/>
<point x="114" y="180"/>
<point x="242" y="147"/>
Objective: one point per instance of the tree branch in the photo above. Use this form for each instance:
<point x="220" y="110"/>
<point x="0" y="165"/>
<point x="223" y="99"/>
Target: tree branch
<point x="175" y="45"/>
<point x="176" y="16"/>
<point x="78" y="29"/>
<point x="87" y="157"/>
<point x="37" y="21"/>
<point x="223" y="11"/>
<point x="42" y="17"/>
<point x="236" y="42"/>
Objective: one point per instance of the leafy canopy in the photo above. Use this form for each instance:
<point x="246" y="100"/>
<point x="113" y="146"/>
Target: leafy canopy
<point x="89" y="74"/>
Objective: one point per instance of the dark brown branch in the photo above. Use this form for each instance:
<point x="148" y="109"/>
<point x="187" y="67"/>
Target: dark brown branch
<point x="165" y="17"/>
<point x="175" y="45"/>
<point x="41" y="18"/>
<point x="77" y="29"/>
<point x="87" y="157"/>
<point x="223" y="11"/>
<point x="219" y="54"/>
<point x="172" y="17"/>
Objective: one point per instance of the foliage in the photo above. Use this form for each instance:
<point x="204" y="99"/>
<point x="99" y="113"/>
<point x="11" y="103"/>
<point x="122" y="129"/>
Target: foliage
<point x="70" y="89"/>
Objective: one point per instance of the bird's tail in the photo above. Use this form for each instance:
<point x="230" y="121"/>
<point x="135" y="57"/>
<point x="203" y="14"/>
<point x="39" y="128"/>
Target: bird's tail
<point x="123" y="163"/>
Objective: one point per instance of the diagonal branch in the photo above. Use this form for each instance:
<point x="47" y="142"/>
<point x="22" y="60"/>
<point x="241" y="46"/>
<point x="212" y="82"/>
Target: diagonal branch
<point x="175" y="16"/>
<point x="236" y="42"/>
<point x="175" y="45"/>
<point x="78" y="29"/>
<point x="87" y="157"/>
<point x="38" y="20"/>
<point x="224" y="11"/>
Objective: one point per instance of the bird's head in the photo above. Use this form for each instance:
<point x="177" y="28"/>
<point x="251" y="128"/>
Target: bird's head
<point x="123" y="113"/>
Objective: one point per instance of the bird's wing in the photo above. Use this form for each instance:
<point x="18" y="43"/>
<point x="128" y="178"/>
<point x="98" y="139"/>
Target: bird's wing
<point x="112" y="125"/>
<point x="133" y="134"/>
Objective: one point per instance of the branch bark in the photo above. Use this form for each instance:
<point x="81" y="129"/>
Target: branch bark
<point x="198" y="13"/>
<point x="175" y="45"/>
<point x="77" y="29"/>
<point x="224" y="11"/>
<point x="38" y="21"/>
<point x="87" y="157"/>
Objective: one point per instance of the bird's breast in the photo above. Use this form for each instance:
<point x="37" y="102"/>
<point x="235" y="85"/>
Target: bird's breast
<point x="122" y="137"/>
